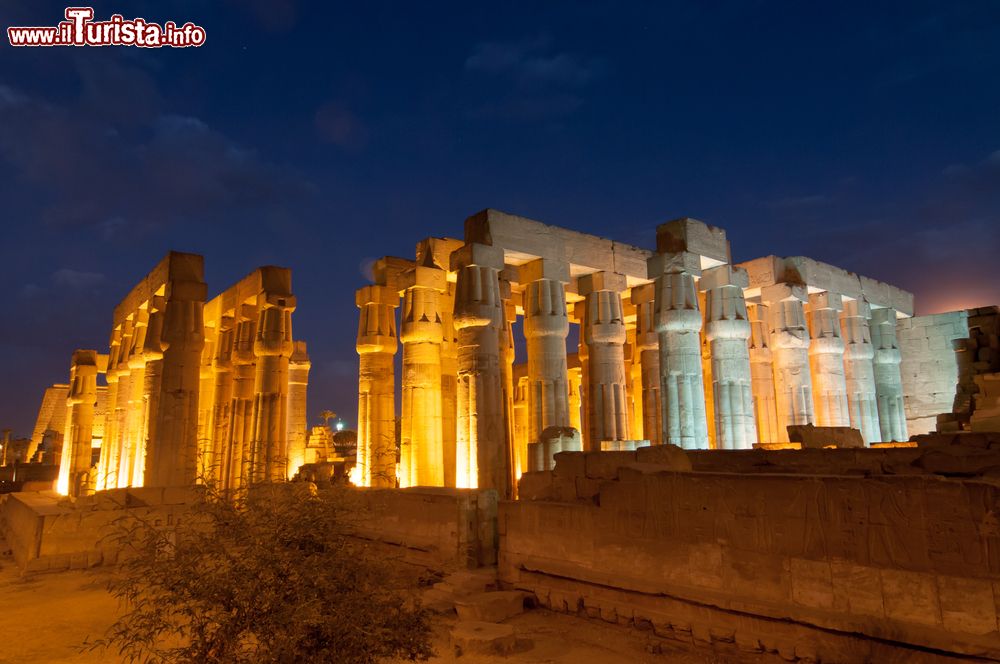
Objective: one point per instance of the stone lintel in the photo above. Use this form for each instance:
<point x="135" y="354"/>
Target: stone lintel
<point x="175" y="268"/>
<point x="375" y="294"/>
<point x="826" y="300"/>
<point x="300" y="354"/>
<point x="723" y="275"/>
<point x="423" y="277"/>
<point x="779" y="292"/>
<point x="436" y="251"/>
<point x="601" y="281"/>
<point x="85" y="357"/>
<point x="473" y="253"/>
<point x="387" y="270"/>
<point x="673" y="263"/>
<point x="693" y="236"/>
<point x="643" y="294"/>
<point x="543" y="268"/>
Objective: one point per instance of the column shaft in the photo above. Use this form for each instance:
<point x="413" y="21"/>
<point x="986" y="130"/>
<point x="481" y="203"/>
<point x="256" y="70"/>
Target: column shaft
<point x="604" y="335"/>
<point x="859" y="370"/>
<point x="298" y="419"/>
<point x="888" y="380"/>
<point x="75" y="476"/>
<point x="826" y="359"/>
<point x="647" y="344"/>
<point x="376" y="345"/>
<point x="762" y="375"/>
<point x="272" y="348"/>
<point x="546" y="325"/>
<point x="789" y="337"/>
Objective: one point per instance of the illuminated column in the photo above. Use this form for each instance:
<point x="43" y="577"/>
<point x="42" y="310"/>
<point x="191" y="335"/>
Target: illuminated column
<point x="75" y="477"/>
<point x="647" y="343"/>
<point x="604" y="336"/>
<point x="172" y="453"/>
<point x="582" y="354"/>
<point x="575" y="379"/>
<point x="377" y="342"/>
<point x="131" y="458"/>
<point x="633" y="374"/>
<point x="706" y="375"/>
<point x="678" y="324"/>
<point x="789" y="339"/>
<point x="238" y="456"/>
<point x="507" y="353"/>
<point x="152" y="356"/>
<point x="272" y="348"/>
<point x="107" y="466"/>
<point x="521" y="426"/>
<point x="727" y="327"/>
<point x="222" y="401"/>
<point x="826" y="359"/>
<point x="482" y="458"/>
<point x="449" y="385"/>
<point x="888" y="380"/>
<point x="859" y="369"/>
<point x="121" y="442"/>
<point x="422" y="454"/>
<point x="546" y="325"/>
<point x="298" y="424"/>
<point x="762" y="375"/>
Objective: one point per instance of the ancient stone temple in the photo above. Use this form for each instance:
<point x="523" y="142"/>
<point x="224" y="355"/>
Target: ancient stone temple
<point x="676" y="345"/>
<point x="196" y="391"/>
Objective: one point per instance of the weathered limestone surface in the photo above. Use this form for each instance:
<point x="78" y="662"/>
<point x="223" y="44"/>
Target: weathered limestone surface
<point x="789" y="338"/>
<point x="833" y="568"/>
<point x="482" y="458"/>
<point x="376" y="345"/>
<point x="859" y="369"/>
<point x="762" y="376"/>
<point x="727" y="328"/>
<point x="546" y="324"/>
<point x="552" y="441"/>
<point x="929" y="366"/>
<point x="298" y="418"/>
<point x="51" y="420"/>
<point x="678" y="323"/>
<point x="75" y="472"/>
<point x="647" y="343"/>
<point x="826" y="360"/>
<point x="888" y="377"/>
<point x="604" y="336"/>
<point x="421" y="448"/>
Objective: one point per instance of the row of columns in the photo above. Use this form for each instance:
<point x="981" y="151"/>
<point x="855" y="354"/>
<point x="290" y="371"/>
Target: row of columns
<point x="698" y="361"/>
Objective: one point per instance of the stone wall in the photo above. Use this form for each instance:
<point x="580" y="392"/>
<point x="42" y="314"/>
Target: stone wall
<point x="437" y="527"/>
<point x="812" y="567"/>
<point x="930" y="366"/>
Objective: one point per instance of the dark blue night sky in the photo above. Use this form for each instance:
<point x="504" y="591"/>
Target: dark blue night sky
<point x="321" y="135"/>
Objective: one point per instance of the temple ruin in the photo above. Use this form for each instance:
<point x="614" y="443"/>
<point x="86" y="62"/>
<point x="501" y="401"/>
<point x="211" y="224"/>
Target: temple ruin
<point x="196" y="391"/>
<point x="677" y="345"/>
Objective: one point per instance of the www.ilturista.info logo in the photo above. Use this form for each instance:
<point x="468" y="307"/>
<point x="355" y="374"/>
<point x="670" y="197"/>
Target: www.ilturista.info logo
<point x="80" y="29"/>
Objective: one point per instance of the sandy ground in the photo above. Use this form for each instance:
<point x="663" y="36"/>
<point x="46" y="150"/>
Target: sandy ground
<point x="45" y="618"/>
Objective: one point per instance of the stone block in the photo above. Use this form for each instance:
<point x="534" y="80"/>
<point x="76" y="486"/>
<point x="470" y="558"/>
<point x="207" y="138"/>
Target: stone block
<point x="672" y="457"/>
<point x="660" y="264"/>
<point x="724" y="275"/>
<point x="491" y="607"/>
<point x="967" y="605"/>
<point x="482" y="638"/>
<point x="691" y="235"/>
<point x="911" y="597"/>
<point x="420" y="276"/>
<point x="375" y="294"/>
<point x="601" y="281"/>
<point x="477" y="254"/>
<point x="605" y="465"/>
<point x="783" y="291"/>
<point x="535" y="485"/>
<point x="814" y="437"/>
<point x="571" y="464"/>
<point x="543" y="268"/>
<point x="437" y="251"/>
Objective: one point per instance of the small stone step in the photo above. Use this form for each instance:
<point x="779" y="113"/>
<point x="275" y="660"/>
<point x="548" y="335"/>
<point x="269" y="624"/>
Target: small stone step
<point x="467" y="582"/>
<point x="482" y="638"/>
<point x="494" y="606"/>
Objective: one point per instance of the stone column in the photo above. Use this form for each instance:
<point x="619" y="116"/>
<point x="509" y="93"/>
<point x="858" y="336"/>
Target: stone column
<point x="172" y="453"/>
<point x="241" y="411"/>
<point x="377" y="343"/>
<point x="75" y="476"/>
<point x="647" y="343"/>
<point x="130" y="466"/>
<point x="888" y="379"/>
<point x="507" y="355"/>
<point x="678" y="324"/>
<point x="107" y="466"/>
<point x="298" y="418"/>
<point x="120" y="445"/>
<point x="152" y="355"/>
<point x="482" y="457"/>
<point x="583" y="356"/>
<point x="575" y="379"/>
<point x="521" y="426"/>
<point x="421" y="448"/>
<point x="633" y="371"/>
<point x="604" y="335"/>
<point x="859" y="369"/>
<point x="449" y="385"/>
<point x="272" y="348"/>
<point x="762" y="375"/>
<point x="826" y="359"/>
<point x="727" y="328"/>
<point x="222" y="367"/>
<point x="546" y="325"/>
<point x="789" y="338"/>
